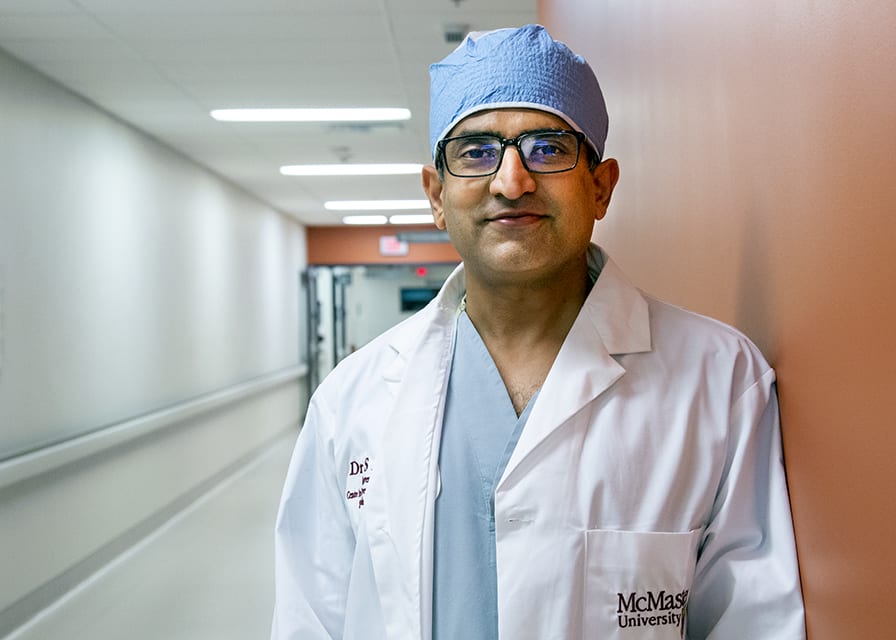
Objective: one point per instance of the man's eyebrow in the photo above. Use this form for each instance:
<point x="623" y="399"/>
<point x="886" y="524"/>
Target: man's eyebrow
<point x="498" y="134"/>
<point x="478" y="132"/>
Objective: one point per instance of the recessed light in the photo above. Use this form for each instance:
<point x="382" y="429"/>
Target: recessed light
<point x="416" y="218"/>
<point x="350" y="169"/>
<point x="311" y="115"/>
<point x="375" y="205"/>
<point x="365" y="220"/>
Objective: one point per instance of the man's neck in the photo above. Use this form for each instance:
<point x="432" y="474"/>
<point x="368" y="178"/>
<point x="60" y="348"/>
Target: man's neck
<point x="523" y="327"/>
<point x="527" y="312"/>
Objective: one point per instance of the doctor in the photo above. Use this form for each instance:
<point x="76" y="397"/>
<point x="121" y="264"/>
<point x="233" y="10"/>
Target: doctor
<point x="544" y="452"/>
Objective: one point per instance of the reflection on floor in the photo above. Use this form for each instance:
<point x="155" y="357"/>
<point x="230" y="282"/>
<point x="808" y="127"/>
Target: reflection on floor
<point x="206" y="575"/>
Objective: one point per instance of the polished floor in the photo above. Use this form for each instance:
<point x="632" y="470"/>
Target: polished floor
<point x="207" y="574"/>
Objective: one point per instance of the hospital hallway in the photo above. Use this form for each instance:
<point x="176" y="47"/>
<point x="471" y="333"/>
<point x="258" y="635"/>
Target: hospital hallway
<point x="207" y="573"/>
<point x="207" y="206"/>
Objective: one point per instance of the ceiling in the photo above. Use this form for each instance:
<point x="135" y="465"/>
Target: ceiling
<point x="163" y="65"/>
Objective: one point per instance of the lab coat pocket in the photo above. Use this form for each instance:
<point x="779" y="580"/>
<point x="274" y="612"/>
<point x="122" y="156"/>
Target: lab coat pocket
<point x="637" y="584"/>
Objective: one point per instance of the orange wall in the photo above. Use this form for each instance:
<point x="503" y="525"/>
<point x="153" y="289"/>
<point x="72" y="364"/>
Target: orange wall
<point x="361" y="245"/>
<point x="757" y="142"/>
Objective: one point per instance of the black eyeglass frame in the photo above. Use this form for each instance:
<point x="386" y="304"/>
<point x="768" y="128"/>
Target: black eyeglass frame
<point x="579" y="136"/>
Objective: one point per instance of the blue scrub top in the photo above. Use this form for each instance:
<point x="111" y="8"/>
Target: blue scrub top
<point x="479" y="432"/>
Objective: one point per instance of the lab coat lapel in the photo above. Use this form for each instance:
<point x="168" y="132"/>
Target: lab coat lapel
<point x="400" y="514"/>
<point x="614" y="320"/>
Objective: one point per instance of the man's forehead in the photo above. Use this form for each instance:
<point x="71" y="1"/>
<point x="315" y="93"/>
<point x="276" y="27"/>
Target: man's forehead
<point x="508" y="121"/>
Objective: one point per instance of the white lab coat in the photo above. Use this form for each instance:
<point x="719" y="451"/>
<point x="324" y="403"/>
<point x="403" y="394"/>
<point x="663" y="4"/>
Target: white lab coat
<point x="648" y="483"/>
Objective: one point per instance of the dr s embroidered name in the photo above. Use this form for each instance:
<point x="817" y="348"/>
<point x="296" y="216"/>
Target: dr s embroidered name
<point x="357" y="478"/>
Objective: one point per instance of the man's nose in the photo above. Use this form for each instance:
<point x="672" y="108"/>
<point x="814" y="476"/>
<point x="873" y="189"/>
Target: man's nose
<point x="512" y="180"/>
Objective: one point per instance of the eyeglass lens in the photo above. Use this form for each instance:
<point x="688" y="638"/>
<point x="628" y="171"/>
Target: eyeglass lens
<point x="542" y="152"/>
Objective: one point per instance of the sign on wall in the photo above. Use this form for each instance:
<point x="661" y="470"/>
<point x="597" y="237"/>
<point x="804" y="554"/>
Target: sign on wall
<point x="392" y="246"/>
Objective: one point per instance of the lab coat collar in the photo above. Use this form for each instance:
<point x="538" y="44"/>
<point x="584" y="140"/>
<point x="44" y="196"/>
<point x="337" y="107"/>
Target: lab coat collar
<point x="444" y="308"/>
<point x="616" y="308"/>
<point x="613" y="321"/>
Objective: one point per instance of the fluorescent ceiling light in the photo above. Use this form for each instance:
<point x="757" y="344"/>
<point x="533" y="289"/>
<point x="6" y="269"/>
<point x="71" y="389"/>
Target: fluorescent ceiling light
<point x="350" y="169"/>
<point x="416" y="218"/>
<point x="375" y="205"/>
<point x="365" y="220"/>
<point x="310" y="115"/>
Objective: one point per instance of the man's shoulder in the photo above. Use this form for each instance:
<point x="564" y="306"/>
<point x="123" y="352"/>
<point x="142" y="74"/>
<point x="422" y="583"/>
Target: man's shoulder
<point x="668" y="316"/>
<point x="685" y="336"/>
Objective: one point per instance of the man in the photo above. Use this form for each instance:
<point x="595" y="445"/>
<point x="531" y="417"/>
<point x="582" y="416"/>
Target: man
<point x="544" y="451"/>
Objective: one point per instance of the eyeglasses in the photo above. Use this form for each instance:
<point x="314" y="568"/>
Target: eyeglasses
<point x="476" y="155"/>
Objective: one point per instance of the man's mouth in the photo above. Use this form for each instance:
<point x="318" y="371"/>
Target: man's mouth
<point x="515" y="218"/>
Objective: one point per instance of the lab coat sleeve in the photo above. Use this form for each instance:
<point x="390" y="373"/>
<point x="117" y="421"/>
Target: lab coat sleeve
<point x="747" y="582"/>
<point x="314" y="540"/>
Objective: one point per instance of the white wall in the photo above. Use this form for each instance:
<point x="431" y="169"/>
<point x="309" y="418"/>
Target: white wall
<point x="130" y="280"/>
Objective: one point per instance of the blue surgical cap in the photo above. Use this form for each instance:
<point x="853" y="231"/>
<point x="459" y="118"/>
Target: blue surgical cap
<point x="523" y="68"/>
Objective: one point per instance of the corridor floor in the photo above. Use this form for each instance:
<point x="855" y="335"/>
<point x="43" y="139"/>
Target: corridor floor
<point x="205" y="575"/>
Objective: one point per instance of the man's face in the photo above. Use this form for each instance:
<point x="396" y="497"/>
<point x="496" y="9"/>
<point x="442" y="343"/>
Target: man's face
<point x="516" y="226"/>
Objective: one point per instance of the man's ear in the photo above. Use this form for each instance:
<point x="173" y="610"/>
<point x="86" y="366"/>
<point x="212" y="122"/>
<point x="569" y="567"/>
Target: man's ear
<point x="605" y="176"/>
<point x="432" y="186"/>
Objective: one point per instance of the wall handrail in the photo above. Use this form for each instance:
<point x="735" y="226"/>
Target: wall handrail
<point x="53" y="456"/>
